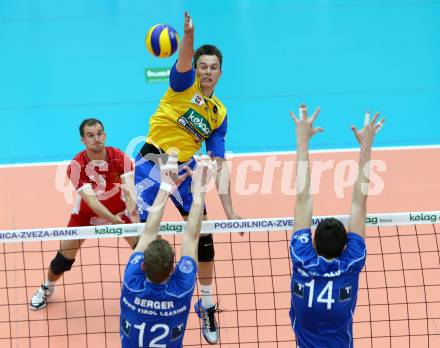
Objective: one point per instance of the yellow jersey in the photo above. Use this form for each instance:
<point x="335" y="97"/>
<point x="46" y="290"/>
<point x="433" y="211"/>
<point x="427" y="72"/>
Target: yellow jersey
<point x="186" y="118"/>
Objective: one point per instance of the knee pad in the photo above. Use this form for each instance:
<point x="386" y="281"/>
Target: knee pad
<point x="60" y="264"/>
<point x="206" y="248"/>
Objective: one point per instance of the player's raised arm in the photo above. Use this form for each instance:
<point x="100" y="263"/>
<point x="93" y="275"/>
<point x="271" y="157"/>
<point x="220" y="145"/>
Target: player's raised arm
<point x="169" y="180"/>
<point x="186" y="50"/>
<point x="201" y="177"/>
<point x="129" y="195"/>
<point x="365" y="138"/>
<point x="304" y="132"/>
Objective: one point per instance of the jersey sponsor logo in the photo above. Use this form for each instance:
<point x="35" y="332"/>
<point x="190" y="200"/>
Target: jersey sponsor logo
<point x="198" y="100"/>
<point x="200" y="123"/>
<point x="183" y="122"/>
<point x="345" y="293"/>
<point x="146" y="306"/>
<point x="298" y="289"/>
<point x="125" y="327"/>
<point x="186" y="266"/>
<point x="302" y="272"/>
<point x="192" y="120"/>
<point x="177" y="331"/>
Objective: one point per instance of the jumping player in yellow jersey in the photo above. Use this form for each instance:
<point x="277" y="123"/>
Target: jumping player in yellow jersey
<point x="188" y="115"/>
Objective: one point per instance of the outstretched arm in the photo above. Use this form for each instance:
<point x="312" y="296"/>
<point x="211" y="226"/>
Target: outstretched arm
<point x="223" y="184"/>
<point x="304" y="132"/>
<point x="201" y="177"/>
<point x="365" y="137"/>
<point x="186" y="50"/>
<point x="129" y="195"/>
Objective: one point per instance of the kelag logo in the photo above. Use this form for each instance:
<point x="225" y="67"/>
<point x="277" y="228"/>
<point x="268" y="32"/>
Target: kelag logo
<point x="371" y="220"/>
<point x="194" y="122"/>
<point x="115" y="230"/>
<point x="171" y="228"/>
<point x="423" y="217"/>
<point x="108" y="230"/>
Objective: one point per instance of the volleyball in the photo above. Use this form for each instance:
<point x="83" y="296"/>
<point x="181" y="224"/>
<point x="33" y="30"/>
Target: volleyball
<point x="162" y="40"/>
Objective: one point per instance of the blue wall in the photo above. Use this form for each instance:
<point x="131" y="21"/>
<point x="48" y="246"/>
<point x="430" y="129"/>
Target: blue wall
<point x="63" y="61"/>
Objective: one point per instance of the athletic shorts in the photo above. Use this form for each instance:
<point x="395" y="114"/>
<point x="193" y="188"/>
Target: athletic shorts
<point x="147" y="183"/>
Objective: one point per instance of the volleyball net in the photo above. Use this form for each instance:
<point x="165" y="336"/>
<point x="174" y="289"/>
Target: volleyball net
<point x="398" y="301"/>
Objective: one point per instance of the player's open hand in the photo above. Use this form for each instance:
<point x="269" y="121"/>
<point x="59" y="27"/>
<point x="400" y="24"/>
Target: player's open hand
<point x="365" y="136"/>
<point x="169" y="172"/>
<point x="304" y="124"/>
<point x="234" y="216"/>
<point x="188" y="26"/>
<point x="202" y="175"/>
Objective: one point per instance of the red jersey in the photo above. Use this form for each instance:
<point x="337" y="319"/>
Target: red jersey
<point x="105" y="179"/>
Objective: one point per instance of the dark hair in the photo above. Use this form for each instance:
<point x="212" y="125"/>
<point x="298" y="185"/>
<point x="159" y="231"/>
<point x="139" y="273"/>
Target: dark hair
<point x="209" y="50"/>
<point x="158" y="260"/>
<point x="87" y="123"/>
<point x="330" y="238"/>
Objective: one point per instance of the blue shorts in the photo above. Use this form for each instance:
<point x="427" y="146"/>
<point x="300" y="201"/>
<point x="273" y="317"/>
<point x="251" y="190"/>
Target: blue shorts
<point x="147" y="183"/>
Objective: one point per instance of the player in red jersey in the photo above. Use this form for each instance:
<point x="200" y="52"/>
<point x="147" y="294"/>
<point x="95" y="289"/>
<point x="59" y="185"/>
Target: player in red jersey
<point x="103" y="179"/>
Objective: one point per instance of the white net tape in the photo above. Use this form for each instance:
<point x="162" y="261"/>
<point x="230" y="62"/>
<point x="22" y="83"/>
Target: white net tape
<point x="212" y="226"/>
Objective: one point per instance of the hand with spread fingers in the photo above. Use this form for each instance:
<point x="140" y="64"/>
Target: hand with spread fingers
<point x="202" y="175"/>
<point x="169" y="172"/>
<point x="304" y="124"/>
<point x="365" y="136"/>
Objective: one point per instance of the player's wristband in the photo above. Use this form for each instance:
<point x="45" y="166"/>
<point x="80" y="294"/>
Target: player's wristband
<point x="166" y="187"/>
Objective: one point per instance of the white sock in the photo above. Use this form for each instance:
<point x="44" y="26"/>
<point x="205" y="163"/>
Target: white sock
<point x="205" y="293"/>
<point x="49" y="284"/>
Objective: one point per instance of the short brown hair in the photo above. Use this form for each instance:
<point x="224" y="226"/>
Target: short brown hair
<point x="208" y="50"/>
<point x="87" y="123"/>
<point x="158" y="260"/>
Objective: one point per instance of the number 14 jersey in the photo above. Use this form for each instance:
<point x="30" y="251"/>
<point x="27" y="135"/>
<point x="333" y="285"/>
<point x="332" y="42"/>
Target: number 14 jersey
<point x="324" y="292"/>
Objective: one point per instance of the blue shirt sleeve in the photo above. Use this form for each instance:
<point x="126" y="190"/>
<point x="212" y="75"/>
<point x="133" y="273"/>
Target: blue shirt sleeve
<point x="133" y="269"/>
<point x="217" y="141"/>
<point x="301" y="248"/>
<point x="355" y="252"/>
<point x="179" y="81"/>
<point x="185" y="274"/>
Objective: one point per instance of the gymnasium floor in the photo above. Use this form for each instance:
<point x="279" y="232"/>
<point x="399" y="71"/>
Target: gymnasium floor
<point x="65" y="61"/>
